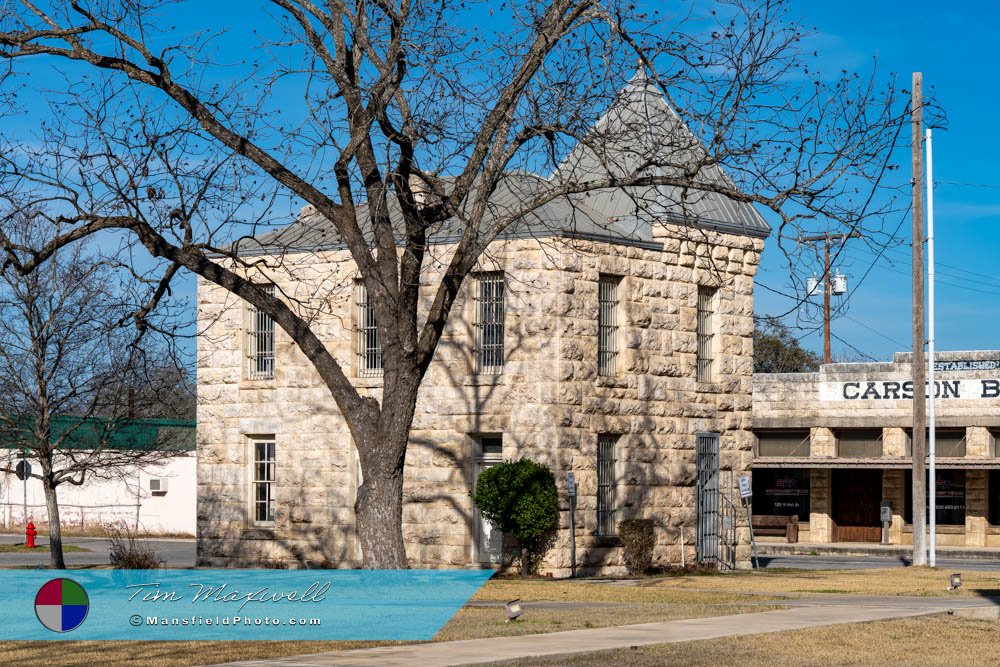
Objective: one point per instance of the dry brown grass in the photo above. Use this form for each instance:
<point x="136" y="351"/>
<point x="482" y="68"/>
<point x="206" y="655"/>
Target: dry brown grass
<point x="156" y="654"/>
<point x="927" y="641"/>
<point x="639" y="605"/>
<point x="42" y="549"/>
<point x="963" y="641"/>
<point x="892" y="581"/>
<point x="658" y="591"/>
<point x="478" y="622"/>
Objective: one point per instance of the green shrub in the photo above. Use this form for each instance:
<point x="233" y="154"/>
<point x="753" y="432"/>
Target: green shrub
<point x="520" y="499"/>
<point x="638" y="540"/>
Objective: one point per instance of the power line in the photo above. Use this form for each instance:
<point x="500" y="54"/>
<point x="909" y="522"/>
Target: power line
<point x="863" y="354"/>
<point x="992" y="186"/>
<point x="903" y="347"/>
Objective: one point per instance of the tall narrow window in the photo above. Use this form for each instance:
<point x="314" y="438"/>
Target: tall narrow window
<point x="260" y="339"/>
<point x="489" y="319"/>
<point x="606" y="483"/>
<point x="263" y="481"/>
<point x="607" y="324"/>
<point x="369" y="345"/>
<point x="706" y="332"/>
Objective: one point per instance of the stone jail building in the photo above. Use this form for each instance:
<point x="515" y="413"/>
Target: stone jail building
<point x="595" y="337"/>
<point x="833" y="446"/>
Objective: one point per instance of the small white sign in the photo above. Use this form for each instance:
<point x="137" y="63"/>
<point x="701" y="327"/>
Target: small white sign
<point x="745" y="490"/>
<point x="570" y="484"/>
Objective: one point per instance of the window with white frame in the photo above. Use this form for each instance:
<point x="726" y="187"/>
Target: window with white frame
<point x="369" y="344"/>
<point x="706" y="333"/>
<point x="606" y="443"/>
<point x="263" y="485"/>
<point x="260" y="342"/>
<point x="607" y="324"/>
<point x="489" y="322"/>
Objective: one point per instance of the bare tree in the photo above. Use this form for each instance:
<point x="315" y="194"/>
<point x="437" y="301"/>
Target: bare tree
<point x="402" y="121"/>
<point x="66" y="365"/>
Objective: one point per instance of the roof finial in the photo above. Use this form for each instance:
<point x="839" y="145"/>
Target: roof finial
<point x="641" y="77"/>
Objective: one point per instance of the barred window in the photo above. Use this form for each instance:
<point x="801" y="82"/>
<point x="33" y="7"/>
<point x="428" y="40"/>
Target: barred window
<point x="369" y="345"/>
<point x="489" y="319"/>
<point x="607" y="324"/>
<point x="263" y="481"/>
<point x="260" y="342"/>
<point x="705" y="332"/>
<point x="606" y="483"/>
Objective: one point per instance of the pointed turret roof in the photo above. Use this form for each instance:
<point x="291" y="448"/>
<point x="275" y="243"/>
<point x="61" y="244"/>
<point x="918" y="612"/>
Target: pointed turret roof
<point x="642" y="133"/>
<point x="640" y="128"/>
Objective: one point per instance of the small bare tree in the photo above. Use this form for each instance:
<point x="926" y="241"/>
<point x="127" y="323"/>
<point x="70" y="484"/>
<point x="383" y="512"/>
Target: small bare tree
<point x="398" y="121"/>
<point x="66" y="369"/>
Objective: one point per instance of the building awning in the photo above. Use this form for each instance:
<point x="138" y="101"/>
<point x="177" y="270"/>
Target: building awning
<point x="882" y="463"/>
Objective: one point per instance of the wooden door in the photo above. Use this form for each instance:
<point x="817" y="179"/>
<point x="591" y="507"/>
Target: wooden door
<point x="857" y="495"/>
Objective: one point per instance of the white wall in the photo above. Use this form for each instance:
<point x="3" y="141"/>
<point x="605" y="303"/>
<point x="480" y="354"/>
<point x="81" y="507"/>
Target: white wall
<point x="99" y="502"/>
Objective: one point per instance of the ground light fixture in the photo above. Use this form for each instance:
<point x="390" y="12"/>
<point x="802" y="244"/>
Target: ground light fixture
<point x="514" y="609"/>
<point x="956" y="581"/>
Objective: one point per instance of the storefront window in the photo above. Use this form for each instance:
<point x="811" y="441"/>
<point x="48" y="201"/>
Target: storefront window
<point x="859" y="444"/>
<point x="993" y="490"/>
<point x="947" y="442"/>
<point x="783" y="443"/>
<point x="950" y="497"/>
<point x="781" y="492"/>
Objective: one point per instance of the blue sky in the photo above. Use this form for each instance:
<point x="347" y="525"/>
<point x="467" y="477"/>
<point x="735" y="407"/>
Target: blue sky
<point x="953" y="44"/>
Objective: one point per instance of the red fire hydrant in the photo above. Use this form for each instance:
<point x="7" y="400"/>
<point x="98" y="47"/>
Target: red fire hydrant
<point x="30" y="532"/>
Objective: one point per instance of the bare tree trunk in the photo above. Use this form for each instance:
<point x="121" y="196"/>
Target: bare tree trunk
<point x="55" y="528"/>
<point x="380" y="515"/>
<point x="379" y="507"/>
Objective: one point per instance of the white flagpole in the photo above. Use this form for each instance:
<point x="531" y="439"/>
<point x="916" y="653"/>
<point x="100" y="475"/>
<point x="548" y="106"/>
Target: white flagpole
<point x="932" y="486"/>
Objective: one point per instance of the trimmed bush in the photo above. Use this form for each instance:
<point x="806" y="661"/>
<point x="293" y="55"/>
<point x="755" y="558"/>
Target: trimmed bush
<point x="520" y="499"/>
<point x="638" y="540"/>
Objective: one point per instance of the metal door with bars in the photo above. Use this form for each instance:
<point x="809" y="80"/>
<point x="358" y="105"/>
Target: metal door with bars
<point x="707" y="529"/>
<point x="718" y="515"/>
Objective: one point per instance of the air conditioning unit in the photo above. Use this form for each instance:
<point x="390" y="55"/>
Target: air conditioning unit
<point x="158" y="487"/>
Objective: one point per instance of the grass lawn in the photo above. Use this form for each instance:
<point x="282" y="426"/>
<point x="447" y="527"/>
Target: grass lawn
<point x="44" y="548"/>
<point x="100" y="531"/>
<point x="952" y="640"/>
<point x="928" y="641"/>
<point x="922" y="581"/>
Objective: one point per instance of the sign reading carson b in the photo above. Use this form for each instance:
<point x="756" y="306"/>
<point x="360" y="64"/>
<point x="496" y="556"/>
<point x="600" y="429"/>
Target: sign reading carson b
<point x="896" y="390"/>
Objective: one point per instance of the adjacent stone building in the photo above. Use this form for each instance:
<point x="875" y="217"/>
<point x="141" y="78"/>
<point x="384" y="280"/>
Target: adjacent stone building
<point x="595" y="337"/>
<point x="834" y="446"/>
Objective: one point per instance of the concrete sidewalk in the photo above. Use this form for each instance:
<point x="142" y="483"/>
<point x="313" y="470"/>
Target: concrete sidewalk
<point x="805" y="613"/>
<point x="872" y="549"/>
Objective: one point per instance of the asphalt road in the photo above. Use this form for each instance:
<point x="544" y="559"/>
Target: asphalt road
<point x="181" y="553"/>
<point x="867" y="562"/>
<point x="175" y="553"/>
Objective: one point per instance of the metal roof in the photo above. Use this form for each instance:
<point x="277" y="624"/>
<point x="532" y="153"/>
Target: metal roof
<point x="641" y="129"/>
<point x="117" y="434"/>
<point x="638" y="128"/>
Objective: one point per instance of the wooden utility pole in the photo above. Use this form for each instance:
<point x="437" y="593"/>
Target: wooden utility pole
<point x="919" y="442"/>
<point x="827" y="282"/>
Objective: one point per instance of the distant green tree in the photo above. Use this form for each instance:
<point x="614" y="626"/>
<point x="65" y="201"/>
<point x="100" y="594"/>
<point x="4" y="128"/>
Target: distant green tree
<point x="775" y="350"/>
<point x="520" y="499"/>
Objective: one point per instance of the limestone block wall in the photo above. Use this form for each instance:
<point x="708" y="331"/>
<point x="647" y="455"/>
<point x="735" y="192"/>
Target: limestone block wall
<point x="820" y="505"/>
<point x="894" y="490"/>
<point x="549" y="403"/>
